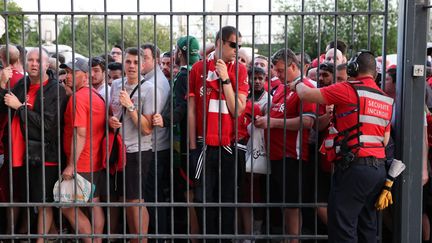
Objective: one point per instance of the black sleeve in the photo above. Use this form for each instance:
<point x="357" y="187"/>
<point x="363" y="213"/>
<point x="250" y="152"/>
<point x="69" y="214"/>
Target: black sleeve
<point x="180" y="102"/>
<point x="50" y="114"/>
<point x="18" y="90"/>
<point x="3" y="107"/>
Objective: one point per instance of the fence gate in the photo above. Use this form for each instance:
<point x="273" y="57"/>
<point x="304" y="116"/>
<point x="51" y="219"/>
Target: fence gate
<point x="175" y="187"/>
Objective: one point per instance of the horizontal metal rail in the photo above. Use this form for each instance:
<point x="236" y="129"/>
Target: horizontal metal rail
<point x="360" y="13"/>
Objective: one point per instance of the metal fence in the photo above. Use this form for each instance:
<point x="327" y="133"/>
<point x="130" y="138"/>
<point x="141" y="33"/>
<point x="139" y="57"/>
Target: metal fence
<point x="178" y="208"/>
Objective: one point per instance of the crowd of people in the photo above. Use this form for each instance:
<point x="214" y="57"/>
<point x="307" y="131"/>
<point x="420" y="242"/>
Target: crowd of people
<point x="190" y="123"/>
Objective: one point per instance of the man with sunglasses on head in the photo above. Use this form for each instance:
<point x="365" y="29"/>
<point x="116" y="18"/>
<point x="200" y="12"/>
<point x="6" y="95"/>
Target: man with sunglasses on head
<point x="218" y="101"/>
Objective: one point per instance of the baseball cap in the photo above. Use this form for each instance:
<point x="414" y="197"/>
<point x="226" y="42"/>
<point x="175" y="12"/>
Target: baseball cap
<point x="193" y="51"/>
<point x="79" y="64"/>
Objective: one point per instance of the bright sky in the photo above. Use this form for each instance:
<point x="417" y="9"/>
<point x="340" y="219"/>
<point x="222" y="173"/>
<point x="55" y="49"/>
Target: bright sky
<point x="145" y="6"/>
<point x="244" y="24"/>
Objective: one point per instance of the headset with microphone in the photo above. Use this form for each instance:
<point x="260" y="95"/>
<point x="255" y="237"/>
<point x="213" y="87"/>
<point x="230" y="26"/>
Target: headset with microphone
<point x="353" y="66"/>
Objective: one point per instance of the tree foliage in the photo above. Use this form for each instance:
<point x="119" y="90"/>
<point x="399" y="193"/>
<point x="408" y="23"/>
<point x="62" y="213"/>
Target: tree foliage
<point x="353" y="29"/>
<point x="114" y="36"/>
<point x="15" y="23"/>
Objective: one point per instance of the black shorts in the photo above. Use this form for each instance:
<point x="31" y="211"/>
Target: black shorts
<point x="115" y="185"/>
<point x="289" y="187"/>
<point x="134" y="178"/>
<point x="19" y="180"/>
<point x="36" y="179"/>
<point x="35" y="183"/>
<point x="99" y="180"/>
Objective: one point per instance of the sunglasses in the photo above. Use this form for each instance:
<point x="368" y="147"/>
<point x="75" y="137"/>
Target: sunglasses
<point x="233" y="45"/>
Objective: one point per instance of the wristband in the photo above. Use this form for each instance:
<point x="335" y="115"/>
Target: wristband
<point x="226" y="81"/>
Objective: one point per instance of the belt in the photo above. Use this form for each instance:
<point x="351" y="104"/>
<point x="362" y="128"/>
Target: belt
<point x="369" y="161"/>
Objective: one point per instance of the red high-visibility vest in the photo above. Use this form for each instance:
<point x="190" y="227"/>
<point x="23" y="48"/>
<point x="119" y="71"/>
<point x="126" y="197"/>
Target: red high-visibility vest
<point x="360" y="128"/>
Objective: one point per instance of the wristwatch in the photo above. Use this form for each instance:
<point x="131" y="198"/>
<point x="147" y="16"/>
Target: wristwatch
<point x="131" y="108"/>
<point x="226" y="81"/>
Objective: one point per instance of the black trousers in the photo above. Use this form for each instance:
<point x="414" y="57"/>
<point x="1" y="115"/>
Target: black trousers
<point x="157" y="189"/>
<point x="217" y="187"/>
<point x="351" y="212"/>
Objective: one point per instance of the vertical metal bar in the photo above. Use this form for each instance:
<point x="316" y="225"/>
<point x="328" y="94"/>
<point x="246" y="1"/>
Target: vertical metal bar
<point x="236" y="126"/>
<point x="335" y="42"/>
<point x="317" y="129"/>
<point x="284" y="127"/>
<point x="300" y="155"/>
<point x="27" y="192"/>
<point x="188" y="199"/>
<point x="384" y="46"/>
<point x="59" y="121"/>
<point x="268" y="210"/>
<point x="91" y="117"/>
<point x="74" y="146"/>
<point x="252" y="90"/>
<point x="383" y="77"/>
<point x="171" y="126"/>
<point x="107" y="108"/>
<point x="140" y="59"/>
<point x="221" y="40"/>
<point x="122" y="127"/>
<point x="203" y="176"/>
<point x="11" y="186"/>
<point x="409" y="107"/>
<point x="155" y="131"/>
<point x="352" y="36"/>
<point x="42" y="128"/>
<point x="369" y="24"/>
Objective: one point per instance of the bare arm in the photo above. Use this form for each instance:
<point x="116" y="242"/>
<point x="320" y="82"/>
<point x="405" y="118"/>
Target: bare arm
<point x="228" y="90"/>
<point x="292" y="124"/>
<point x="307" y="93"/>
<point x="230" y="99"/>
<point x="146" y="122"/>
<point x="191" y="123"/>
<point x="324" y="120"/>
<point x="80" y="142"/>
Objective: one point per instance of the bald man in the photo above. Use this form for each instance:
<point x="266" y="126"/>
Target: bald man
<point x="330" y="55"/>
